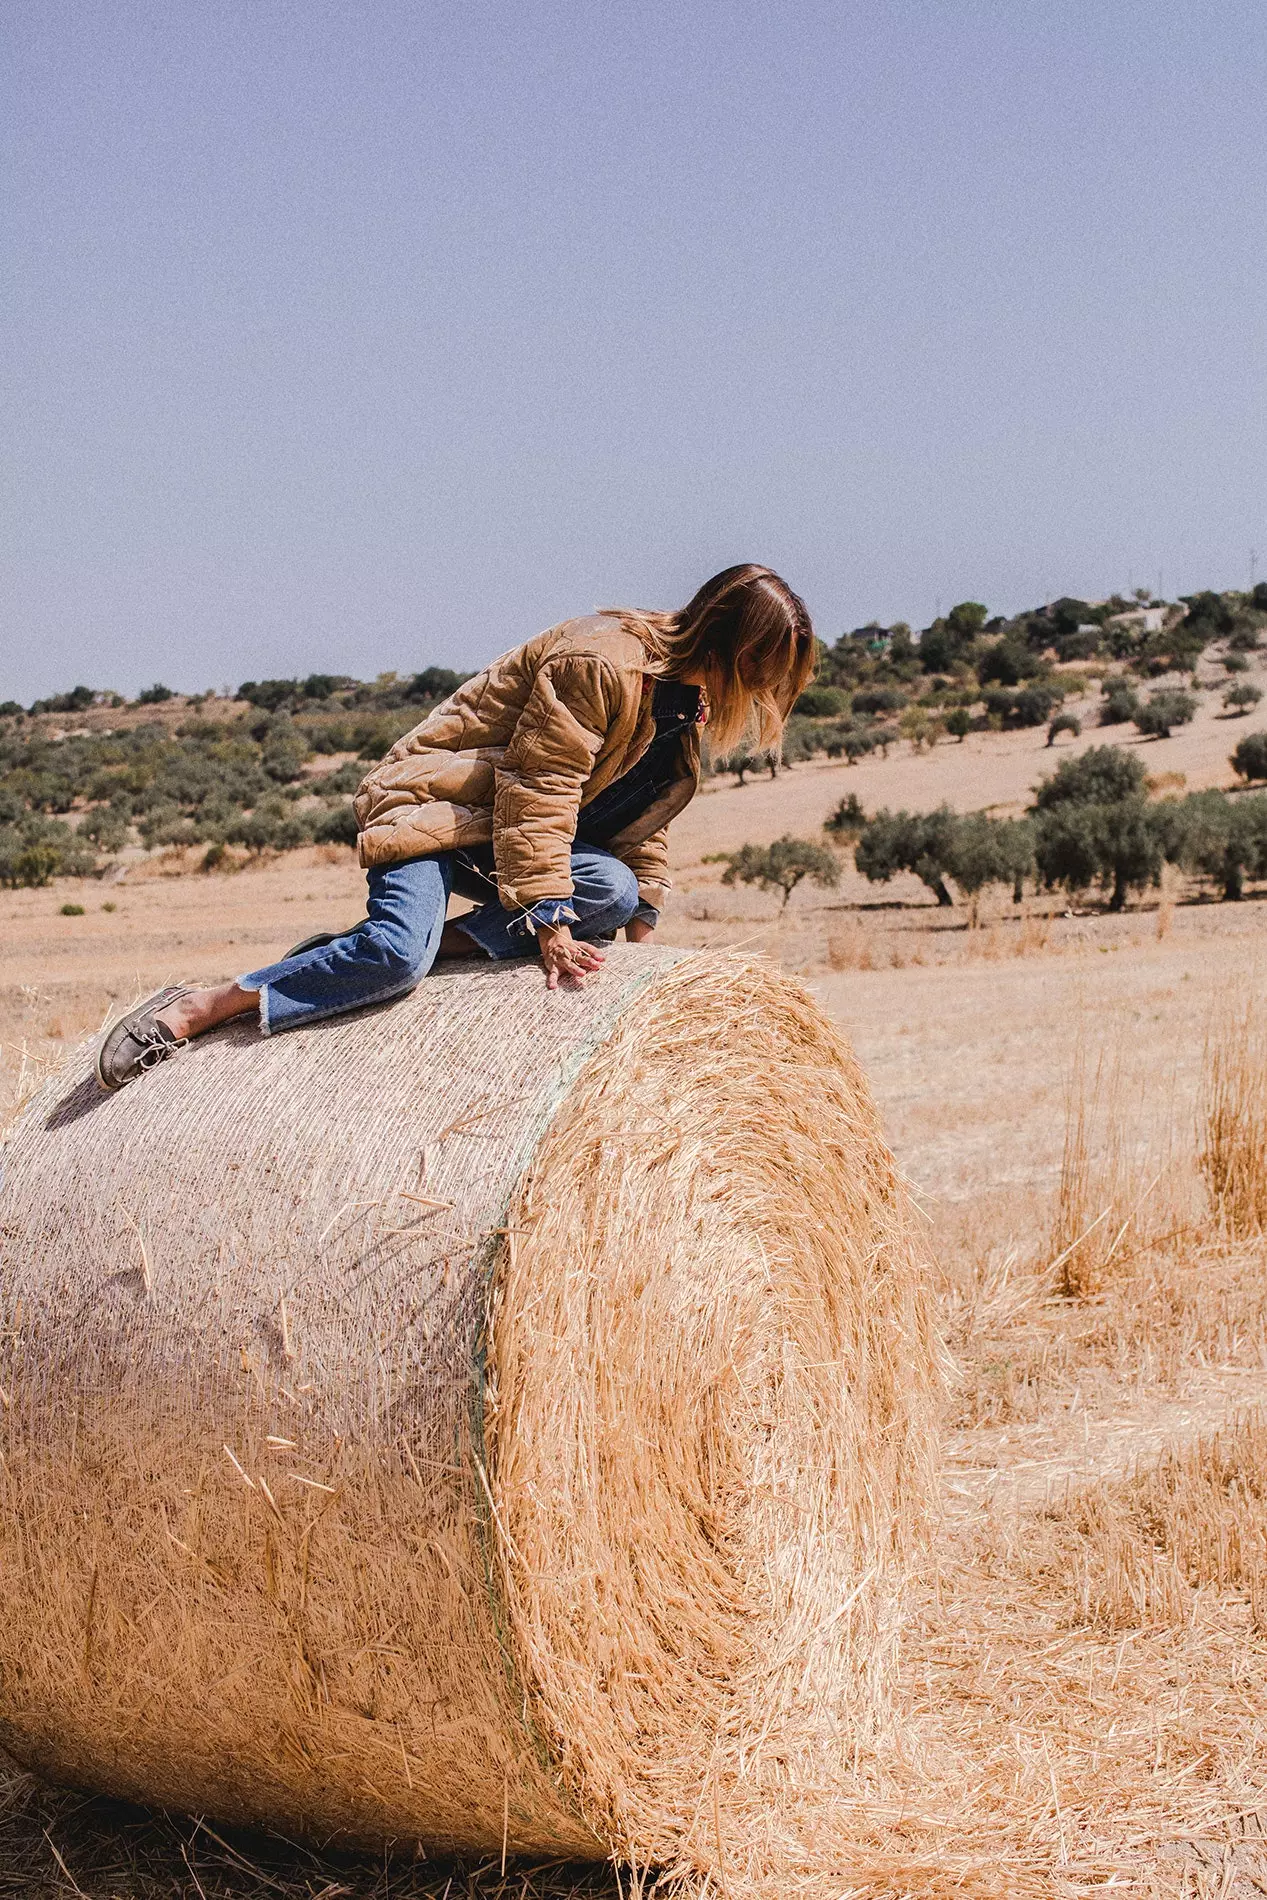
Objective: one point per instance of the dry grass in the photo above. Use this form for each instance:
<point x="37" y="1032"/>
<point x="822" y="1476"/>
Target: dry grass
<point x="1119" y="1196"/>
<point x="1233" y="1142"/>
<point x="1194" y="1520"/>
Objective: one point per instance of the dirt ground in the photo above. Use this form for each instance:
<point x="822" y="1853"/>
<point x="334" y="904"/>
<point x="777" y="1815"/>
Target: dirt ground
<point x="1084" y="1697"/>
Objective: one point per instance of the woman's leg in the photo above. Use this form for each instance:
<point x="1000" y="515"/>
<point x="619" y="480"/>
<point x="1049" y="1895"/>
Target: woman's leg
<point x="383" y="957"/>
<point x="604" y="897"/>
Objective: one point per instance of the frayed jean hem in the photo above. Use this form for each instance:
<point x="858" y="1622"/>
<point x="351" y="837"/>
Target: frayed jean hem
<point x="315" y="1013"/>
<point x="245" y="984"/>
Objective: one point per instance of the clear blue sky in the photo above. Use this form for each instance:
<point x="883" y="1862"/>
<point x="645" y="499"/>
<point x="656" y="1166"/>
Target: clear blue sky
<point x="361" y="334"/>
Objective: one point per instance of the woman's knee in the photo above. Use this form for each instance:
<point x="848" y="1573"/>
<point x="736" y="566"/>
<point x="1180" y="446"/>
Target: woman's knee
<point x="400" y="956"/>
<point x="407" y="909"/>
<point x="608" y="889"/>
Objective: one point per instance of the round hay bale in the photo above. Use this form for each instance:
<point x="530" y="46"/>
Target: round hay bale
<point x="496" y="1421"/>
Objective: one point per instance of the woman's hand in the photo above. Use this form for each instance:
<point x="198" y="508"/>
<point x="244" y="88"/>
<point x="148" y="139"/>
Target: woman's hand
<point x="565" y="959"/>
<point x="637" y="930"/>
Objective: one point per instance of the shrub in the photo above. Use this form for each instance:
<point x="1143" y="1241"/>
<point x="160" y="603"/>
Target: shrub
<point x="1121" y="703"/>
<point x="284" y="751"/>
<point x="822" y="702"/>
<point x="1063" y="722"/>
<point x="344" y="778"/>
<point x="1233" y="662"/>
<point x="1100" y="776"/>
<point x="43" y="788"/>
<point x="848" y="820"/>
<point x="36" y="850"/>
<point x="1250" y="757"/>
<point x="741" y="763"/>
<point x="959" y="723"/>
<point x="270" y="694"/>
<point x="880" y="699"/>
<point x="802" y="739"/>
<point x="107" y="827"/>
<point x="1006" y="663"/>
<point x="858" y="741"/>
<point x="782" y="865"/>
<point x="375" y="738"/>
<point x="72" y="910"/>
<point x="1240" y="698"/>
<point x="154" y="695"/>
<point x="338" y="826"/>
<point x="1031" y="706"/>
<point x="270" y="827"/>
<point x="944" y="642"/>
<point x="76" y="700"/>
<point x="921" y="727"/>
<point x="1209" y="617"/>
<point x="1165" y="709"/>
<point x="435" y="682"/>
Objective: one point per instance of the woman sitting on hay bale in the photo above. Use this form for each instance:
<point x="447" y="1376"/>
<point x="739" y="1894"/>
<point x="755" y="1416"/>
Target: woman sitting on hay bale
<point x="542" y="789"/>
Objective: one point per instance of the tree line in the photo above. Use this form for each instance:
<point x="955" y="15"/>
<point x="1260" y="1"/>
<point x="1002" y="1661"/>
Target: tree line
<point x="1091" y="825"/>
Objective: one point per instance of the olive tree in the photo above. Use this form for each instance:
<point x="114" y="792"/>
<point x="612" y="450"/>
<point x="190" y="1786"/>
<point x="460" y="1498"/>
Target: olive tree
<point x="1221" y="839"/>
<point x="1093" y="825"/>
<point x="1165" y="710"/>
<point x="921" y="842"/>
<point x="1249" y="760"/>
<point x="783" y="865"/>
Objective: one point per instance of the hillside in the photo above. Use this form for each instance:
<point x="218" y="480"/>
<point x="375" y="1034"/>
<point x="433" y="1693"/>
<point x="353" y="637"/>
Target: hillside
<point x="1082" y="1699"/>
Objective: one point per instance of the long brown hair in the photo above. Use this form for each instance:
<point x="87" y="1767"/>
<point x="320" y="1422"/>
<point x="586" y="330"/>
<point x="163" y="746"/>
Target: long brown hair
<point x="750" y="638"/>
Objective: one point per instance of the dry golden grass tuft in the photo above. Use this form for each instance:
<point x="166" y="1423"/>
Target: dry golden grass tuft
<point x="1233" y="1152"/>
<point x="1195" y="1519"/>
<point x="1119" y="1196"/>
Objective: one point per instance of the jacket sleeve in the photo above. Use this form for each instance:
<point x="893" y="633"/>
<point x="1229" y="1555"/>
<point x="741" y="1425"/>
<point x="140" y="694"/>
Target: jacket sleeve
<point x="649" y="862"/>
<point x="573" y="705"/>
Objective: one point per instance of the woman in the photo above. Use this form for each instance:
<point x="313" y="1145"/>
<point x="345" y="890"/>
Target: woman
<point x="543" y="788"/>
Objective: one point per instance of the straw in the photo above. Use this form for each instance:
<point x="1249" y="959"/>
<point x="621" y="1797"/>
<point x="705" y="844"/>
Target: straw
<point x="566" y="1513"/>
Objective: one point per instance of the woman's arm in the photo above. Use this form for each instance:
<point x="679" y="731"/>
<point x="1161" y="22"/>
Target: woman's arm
<point x="540" y="778"/>
<point x="537" y="797"/>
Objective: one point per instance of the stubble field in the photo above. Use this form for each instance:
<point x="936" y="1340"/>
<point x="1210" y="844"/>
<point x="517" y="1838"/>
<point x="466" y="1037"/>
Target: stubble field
<point x="1084" y="1693"/>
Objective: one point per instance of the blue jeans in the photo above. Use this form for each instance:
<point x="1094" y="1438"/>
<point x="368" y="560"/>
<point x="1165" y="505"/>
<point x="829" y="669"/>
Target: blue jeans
<point x="394" y="948"/>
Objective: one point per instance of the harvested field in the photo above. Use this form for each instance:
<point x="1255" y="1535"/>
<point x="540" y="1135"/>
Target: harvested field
<point x="1084" y="1693"/>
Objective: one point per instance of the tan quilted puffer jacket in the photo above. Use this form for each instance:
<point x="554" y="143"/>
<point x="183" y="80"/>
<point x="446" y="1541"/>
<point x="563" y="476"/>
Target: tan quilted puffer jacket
<point x="513" y="756"/>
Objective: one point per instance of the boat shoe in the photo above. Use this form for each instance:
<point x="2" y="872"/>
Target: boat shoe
<point x="138" y="1041"/>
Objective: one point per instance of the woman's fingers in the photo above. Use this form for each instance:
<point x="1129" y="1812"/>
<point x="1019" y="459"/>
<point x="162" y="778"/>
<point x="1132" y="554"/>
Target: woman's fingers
<point x="569" y="962"/>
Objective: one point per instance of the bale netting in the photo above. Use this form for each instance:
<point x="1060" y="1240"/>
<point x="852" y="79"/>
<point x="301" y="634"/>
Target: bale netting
<point x="497" y="1421"/>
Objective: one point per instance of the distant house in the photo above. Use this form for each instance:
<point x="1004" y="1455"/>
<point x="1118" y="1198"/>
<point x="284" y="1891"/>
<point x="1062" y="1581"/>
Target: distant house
<point x="878" y="638"/>
<point x="1146" y="619"/>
